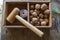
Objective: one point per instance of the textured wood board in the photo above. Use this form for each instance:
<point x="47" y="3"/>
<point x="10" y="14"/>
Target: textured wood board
<point x="26" y="34"/>
<point x="26" y="0"/>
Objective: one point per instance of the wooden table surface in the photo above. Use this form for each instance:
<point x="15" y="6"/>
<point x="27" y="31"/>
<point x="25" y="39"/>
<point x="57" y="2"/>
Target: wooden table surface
<point x="24" y="34"/>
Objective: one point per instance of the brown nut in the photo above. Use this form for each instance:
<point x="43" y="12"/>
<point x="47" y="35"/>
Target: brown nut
<point x="31" y="22"/>
<point x="34" y="14"/>
<point x="44" y="7"/>
<point x="34" y="20"/>
<point x="37" y="6"/>
<point x="47" y="12"/>
<point x="43" y="23"/>
<point x="46" y="16"/>
<point x="32" y="6"/>
<point x="37" y="11"/>
<point x="46" y="20"/>
<point x="40" y="20"/>
<point x="31" y="11"/>
<point x="37" y="24"/>
<point x="31" y="17"/>
<point x="41" y="15"/>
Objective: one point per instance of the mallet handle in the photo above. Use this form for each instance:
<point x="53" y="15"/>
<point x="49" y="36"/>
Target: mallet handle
<point x="31" y="27"/>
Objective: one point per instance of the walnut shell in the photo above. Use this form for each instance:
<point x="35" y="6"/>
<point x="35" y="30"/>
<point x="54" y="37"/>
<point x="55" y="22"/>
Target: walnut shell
<point x="40" y="20"/>
<point x="32" y="6"/>
<point x="34" y="20"/>
<point x="31" y="11"/>
<point x="34" y="14"/>
<point x="43" y="23"/>
<point x="37" y="11"/>
<point x="37" y="6"/>
<point x="37" y="24"/>
<point x="46" y="20"/>
<point x="46" y="16"/>
<point x="31" y="17"/>
<point x="47" y="12"/>
<point x="44" y="7"/>
<point x="41" y="15"/>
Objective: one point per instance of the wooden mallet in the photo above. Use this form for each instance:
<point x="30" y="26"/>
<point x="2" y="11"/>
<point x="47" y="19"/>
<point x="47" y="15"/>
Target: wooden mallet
<point x="14" y="14"/>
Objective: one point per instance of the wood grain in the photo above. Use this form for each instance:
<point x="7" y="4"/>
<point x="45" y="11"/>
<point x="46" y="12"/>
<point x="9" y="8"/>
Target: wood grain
<point x="26" y="34"/>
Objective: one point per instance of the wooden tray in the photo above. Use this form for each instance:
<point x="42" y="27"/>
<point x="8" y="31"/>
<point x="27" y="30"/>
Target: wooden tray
<point x="8" y="6"/>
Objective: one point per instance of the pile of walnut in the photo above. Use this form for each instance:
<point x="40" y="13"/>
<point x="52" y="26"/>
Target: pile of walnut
<point x="39" y="14"/>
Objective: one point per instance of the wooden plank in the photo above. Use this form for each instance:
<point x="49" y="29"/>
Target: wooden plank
<point x="28" y="10"/>
<point x="26" y="34"/>
<point x="50" y="21"/>
<point x="25" y="27"/>
<point x="27" y="0"/>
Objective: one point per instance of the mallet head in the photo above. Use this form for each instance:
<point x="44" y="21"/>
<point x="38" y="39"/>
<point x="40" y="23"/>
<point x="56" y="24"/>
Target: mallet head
<point x="12" y="15"/>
